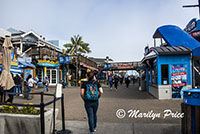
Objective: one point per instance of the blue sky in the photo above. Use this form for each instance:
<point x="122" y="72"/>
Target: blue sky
<point x="119" y="29"/>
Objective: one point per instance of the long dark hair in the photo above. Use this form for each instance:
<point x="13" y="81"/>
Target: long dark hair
<point x="90" y="76"/>
<point x="29" y="76"/>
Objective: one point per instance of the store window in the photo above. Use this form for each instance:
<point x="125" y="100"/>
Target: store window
<point x="165" y="74"/>
<point x="154" y="75"/>
<point x="39" y="74"/>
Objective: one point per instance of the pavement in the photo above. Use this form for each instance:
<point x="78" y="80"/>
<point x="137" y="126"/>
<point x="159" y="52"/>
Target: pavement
<point x="81" y="127"/>
<point x="114" y="113"/>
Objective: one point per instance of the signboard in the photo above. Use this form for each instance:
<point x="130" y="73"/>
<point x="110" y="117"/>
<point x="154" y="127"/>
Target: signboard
<point x="61" y="59"/>
<point x="48" y="63"/>
<point x="64" y="59"/>
<point x="191" y="25"/>
<point x="67" y="60"/>
<point x="178" y="79"/>
<point x="107" y="65"/>
<point x="125" y="66"/>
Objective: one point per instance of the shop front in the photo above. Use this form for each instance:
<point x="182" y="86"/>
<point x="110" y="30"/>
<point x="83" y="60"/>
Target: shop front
<point x="50" y="69"/>
<point x="167" y="71"/>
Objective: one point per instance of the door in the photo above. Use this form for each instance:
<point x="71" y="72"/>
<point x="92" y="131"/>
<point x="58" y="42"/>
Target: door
<point x="52" y="76"/>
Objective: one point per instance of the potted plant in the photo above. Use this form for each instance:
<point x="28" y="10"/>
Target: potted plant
<point x="24" y="120"/>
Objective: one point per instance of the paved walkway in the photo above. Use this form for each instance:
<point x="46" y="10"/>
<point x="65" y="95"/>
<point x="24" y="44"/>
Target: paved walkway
<point x="124" y="98"/>
<point x="81" y="127"/>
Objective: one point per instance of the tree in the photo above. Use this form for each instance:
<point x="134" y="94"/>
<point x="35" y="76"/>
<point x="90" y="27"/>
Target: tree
<point x="77" y="46"/>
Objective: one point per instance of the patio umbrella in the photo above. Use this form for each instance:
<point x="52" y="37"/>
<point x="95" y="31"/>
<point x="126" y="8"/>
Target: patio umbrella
<point x="6" y="80"/>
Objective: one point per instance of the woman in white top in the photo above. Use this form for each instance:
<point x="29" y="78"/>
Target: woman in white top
<point x="30" y="82"/>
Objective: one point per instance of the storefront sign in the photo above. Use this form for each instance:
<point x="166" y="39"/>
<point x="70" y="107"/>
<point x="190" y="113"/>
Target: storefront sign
<point x="48" y="63"/>
<point x="191" y="25"/>
<point x="125" y="66"/>
<point x="179" y="79"/>
<point x="195" y="34"/>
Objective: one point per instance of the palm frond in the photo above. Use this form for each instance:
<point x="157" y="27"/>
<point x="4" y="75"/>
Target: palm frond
<point x="68" y="45"/>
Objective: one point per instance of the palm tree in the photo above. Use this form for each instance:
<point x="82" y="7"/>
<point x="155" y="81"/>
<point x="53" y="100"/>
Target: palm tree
<point x="77" y="46"/>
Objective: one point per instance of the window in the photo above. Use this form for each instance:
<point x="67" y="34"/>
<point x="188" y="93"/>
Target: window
<point x="164" y="74"/>
<point x="39" y="74"/>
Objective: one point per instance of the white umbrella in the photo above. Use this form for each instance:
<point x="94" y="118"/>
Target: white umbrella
<point x="6" y="80"/>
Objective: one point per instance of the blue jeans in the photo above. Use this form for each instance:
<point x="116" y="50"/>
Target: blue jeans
<point x="45" y="87"/>
<point x="111" y="84"/>
<point x="91" y="108"/>
<point x="29" y="91"/>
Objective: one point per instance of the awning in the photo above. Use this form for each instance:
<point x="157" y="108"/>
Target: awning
<point x="14" y="70"/>
<point x="175" y="36"/>
<point x="92" y="68"/>
<point x="25" y="64"/>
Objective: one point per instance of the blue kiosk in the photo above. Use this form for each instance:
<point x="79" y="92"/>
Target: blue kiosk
<point x="169" y="67"/>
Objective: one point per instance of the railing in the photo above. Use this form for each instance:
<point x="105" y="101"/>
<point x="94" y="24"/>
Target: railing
<point x="42" y="105"/>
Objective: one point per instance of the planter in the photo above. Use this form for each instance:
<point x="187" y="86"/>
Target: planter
<point x="26" y="124"/>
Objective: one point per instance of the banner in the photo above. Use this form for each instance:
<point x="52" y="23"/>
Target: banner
<point x="179" y="79"/>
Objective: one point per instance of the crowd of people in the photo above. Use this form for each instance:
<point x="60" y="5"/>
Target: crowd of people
<point x="115" y="79"/>
<point x="22" y="86"/>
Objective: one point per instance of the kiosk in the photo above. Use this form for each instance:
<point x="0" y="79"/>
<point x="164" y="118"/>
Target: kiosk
<point x="168" y="71"/>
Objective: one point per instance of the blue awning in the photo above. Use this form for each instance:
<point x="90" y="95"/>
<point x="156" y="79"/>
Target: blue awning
<point x="25" y="64"/>
<point x="14" y="70"/>
<point x="175" y="36"/>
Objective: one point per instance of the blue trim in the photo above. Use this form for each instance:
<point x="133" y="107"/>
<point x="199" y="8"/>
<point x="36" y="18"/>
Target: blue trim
<point x="25" y="64"/>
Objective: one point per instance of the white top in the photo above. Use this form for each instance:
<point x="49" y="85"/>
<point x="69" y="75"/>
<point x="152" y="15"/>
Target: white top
<point x="31" y="82"/>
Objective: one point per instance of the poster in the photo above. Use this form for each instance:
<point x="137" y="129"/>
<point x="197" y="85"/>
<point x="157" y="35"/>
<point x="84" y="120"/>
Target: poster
<point x="179" y="79"/>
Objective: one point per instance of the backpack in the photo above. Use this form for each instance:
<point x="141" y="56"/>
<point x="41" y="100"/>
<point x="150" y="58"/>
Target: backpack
<point x="92" y="92"/>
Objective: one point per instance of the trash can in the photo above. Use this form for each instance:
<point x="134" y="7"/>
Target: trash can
<point x="190" y="123"/>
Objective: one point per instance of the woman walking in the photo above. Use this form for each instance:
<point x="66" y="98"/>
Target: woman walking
<point x="30" y="82"/>
<point x="91" y="91"/>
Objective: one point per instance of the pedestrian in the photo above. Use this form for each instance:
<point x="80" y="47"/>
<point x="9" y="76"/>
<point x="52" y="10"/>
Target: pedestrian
<point x="121" y="79"/>
<point x="127" y="81"/>
<point x="116" y="80"/>
<point x="30" y="82"/>
<point x="91" y="91"/>
<point x="12" y="90"/>
<point x="37" y="80"/>
<point x="45" y="84"/>
<point x="17" y="81"/>
<point x="110" y="79"/>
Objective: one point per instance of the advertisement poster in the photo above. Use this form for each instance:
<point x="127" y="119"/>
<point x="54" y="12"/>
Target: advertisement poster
<point x="179" y="79"/>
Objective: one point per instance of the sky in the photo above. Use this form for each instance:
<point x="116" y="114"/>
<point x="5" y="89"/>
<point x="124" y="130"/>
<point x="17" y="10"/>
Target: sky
<point x="119" y="29"/>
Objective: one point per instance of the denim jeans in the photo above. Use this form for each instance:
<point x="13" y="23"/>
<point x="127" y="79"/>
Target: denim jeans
<point x="111" y="84"/>
<point x="29" y="91"/>
<point x="45" y="87"/>
<point x="11" y="96"/>
<point x="91" y="108"/>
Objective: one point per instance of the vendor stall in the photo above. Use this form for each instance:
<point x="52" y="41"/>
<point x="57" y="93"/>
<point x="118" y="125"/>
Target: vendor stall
<point x="168" y="71"/>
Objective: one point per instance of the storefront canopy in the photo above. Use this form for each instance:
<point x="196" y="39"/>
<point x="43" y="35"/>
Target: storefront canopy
<point x="25" y="64"/>
<point x="174" y="36"/>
